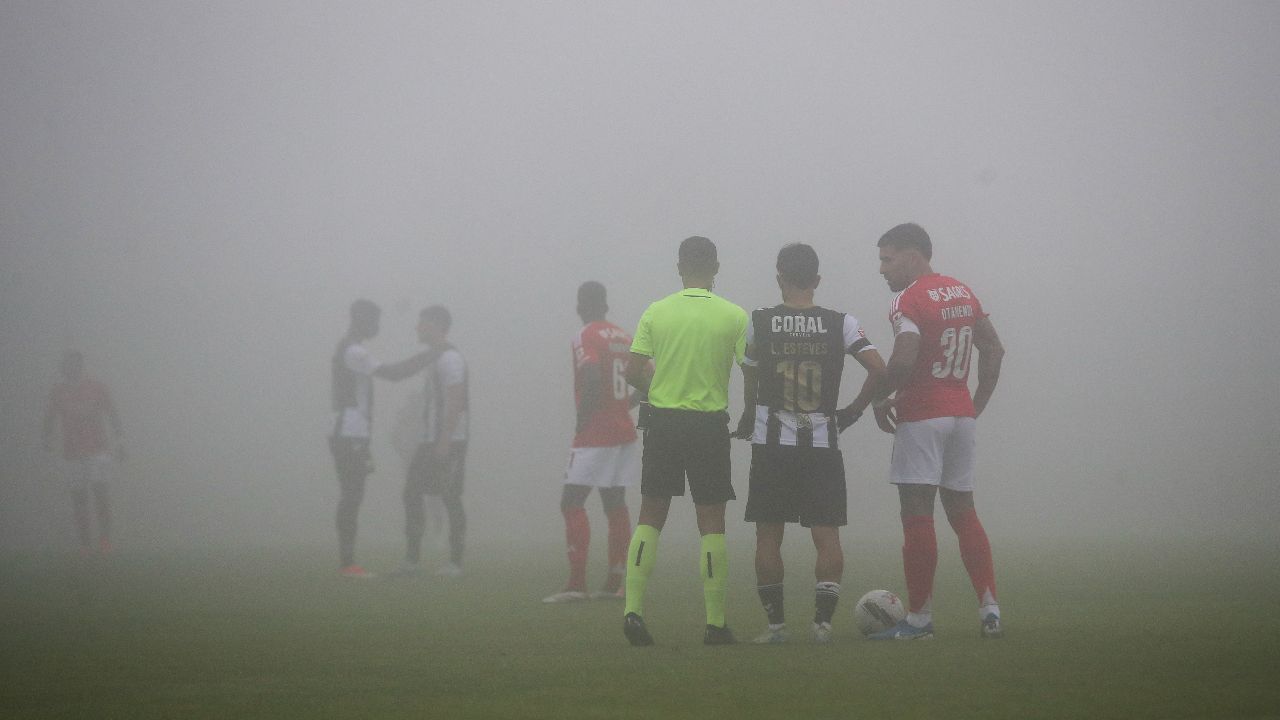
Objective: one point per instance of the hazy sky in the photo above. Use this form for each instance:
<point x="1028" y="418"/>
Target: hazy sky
<point x="193" y="193"/>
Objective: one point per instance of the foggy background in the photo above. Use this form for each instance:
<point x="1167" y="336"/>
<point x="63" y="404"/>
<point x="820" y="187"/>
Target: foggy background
<point x="193" y="194"/>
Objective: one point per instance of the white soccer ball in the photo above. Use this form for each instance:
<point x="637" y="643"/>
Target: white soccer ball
<point x="878" y="610"/>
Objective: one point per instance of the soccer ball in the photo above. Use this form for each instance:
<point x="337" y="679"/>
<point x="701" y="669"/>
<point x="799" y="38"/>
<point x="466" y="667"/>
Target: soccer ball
<point x="878" y="610"/>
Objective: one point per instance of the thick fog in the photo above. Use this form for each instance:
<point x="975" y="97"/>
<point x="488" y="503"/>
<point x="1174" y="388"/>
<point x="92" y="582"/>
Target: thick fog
<point x="193" y="193"/>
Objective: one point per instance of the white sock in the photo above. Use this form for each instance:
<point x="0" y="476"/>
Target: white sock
<point x="920" y="619"/>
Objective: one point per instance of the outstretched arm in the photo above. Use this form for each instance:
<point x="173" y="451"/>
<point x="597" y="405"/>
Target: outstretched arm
<point x="990" y="357"/>
<point x="406" y="368"/>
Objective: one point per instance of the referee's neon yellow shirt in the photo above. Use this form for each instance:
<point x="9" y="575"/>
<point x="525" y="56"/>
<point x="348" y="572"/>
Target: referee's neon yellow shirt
<point x="694" y="338"/>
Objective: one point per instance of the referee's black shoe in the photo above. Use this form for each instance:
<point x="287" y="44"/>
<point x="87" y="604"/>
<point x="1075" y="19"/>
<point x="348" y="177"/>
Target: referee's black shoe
<point x="633" y="627"/>
<point x="719" y="635"/>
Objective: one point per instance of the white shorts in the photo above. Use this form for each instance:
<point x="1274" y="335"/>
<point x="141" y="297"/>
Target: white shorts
<point x="604" y="467"/>
<point x="937" y="451"/>
<point x="83" y="472"/>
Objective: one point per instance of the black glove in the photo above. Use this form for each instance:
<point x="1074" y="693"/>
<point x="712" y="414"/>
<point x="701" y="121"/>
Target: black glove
<point x="846" y="417"/>
<point x="746" y="426"/>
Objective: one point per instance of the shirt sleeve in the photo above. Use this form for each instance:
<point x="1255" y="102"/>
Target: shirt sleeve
<point x="359" y="360"/>
<point x="855" y="339"/>
<point x="452" y="369"/>
<point x="642" y="344"/>
<point x="749" y="355"/>
<point x="740" y="345"/>
<point x="903" y="318"/>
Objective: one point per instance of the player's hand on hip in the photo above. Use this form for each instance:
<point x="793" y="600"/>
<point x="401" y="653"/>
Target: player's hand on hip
<point x="845" y="418"/>
<point x="886" y="419"/>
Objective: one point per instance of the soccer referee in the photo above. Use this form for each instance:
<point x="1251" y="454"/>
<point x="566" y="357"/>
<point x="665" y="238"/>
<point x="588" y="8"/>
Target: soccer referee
<point x="693" y="339"/>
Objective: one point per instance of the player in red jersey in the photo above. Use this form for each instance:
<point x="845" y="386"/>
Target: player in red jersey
<point x="937" y="323"/>
<point x="81" y="404"/>
<point x="605" y="454"/>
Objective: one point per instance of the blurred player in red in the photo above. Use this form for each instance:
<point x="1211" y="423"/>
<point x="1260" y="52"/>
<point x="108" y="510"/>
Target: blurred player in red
<point x="605" y="453"/>
<point x="81" y="404"/>
<point x="937" y="323"/>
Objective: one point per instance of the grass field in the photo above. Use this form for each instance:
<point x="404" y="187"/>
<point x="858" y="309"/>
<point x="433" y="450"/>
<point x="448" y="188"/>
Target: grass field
<point x="1094" y="630"/>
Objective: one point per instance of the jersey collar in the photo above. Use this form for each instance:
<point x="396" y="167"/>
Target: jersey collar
<point x="696" y="292"/>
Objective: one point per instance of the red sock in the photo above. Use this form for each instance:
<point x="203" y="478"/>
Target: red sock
<point x="577" y="536"/>
<point x="975" y="550"/>
<point x="619" y="536"/>
<point x="919" y="559"/>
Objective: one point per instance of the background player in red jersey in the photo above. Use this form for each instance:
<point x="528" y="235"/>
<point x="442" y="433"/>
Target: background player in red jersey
<point x="81" y="403"/>
<point x="605" y="454"/>
<point x="937" y="323"/>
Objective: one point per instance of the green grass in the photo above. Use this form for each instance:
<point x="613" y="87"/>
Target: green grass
<point x="1094" y="630"/>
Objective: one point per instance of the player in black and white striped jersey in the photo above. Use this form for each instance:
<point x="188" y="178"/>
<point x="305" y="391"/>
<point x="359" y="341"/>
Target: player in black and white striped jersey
<point x="791" y="389"/>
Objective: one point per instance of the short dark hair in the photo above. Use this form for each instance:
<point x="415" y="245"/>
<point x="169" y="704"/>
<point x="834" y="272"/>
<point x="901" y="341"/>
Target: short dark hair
<point x="798" y="265"/>
<point x="364" y="310"/>
<point x="908" y="236"/>
<point x="591" y="294"/>
<point x="698" y="255"/>
<point x="439" y="314"/>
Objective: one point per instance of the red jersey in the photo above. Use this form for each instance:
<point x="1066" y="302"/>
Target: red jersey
<point x="943" y="310"/>
<point x="80" y="407"/>
<point x="607" y="346"/>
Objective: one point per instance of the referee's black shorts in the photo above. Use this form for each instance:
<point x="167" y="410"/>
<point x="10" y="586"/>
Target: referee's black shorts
<point x="797" y="484"/>
<point x="687" y="443"/>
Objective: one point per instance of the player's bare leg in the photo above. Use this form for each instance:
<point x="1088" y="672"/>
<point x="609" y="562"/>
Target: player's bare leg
<point x="457" y="532"/>
<point x="827" y="571"/>
<point x="769" y="575"/>
<point x="975" y="551"/>
<point x="415" y="520"/>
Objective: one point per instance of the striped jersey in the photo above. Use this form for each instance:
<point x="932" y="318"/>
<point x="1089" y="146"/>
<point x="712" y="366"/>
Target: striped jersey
<point x="799" y="354"/>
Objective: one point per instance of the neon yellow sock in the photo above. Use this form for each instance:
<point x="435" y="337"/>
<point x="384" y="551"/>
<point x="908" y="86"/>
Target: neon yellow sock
<point x="715" y="577"/>
<point x="641" y="556"/>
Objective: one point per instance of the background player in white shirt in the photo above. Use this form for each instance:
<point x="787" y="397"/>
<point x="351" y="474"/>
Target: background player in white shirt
<point x="439" y="466"/>
<point x="353" y="369"/>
